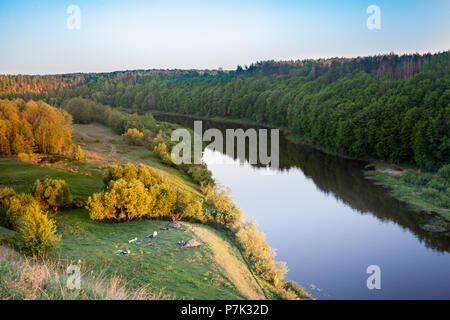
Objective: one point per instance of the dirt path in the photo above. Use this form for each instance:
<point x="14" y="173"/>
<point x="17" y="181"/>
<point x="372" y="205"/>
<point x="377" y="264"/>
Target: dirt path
<point x="234" y="268"/>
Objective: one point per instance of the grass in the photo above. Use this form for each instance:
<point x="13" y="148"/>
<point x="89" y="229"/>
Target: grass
<point x="410" y="193"/>
<point x="189" y="273"/>
<point x="21" y="176"/>
<point x="214" y="270"/>
<point x="101" y="141"/>
<point x="26" y="278"/>
<point x="230" y="259"/>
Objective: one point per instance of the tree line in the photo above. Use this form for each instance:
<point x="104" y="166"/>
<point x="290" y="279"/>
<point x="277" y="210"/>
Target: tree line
<point x="385" y="107"/>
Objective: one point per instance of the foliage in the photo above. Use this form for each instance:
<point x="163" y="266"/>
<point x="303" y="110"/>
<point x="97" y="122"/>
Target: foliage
<point x="78" y="154"/>
<point x="222" y="208"/>
<point x="52" y="193"/>
<point x="25" y="127"/>
<point x="444" y="173"/>
<point x="259" y="254"/>
<point x="23" y="156"/>
<point x="43" y="278"/>
<point x="200" y="174"/>
<point x="16" y="206"/>
<point x="133" y="192"/>
<point x="37" y="231"/>
<point x="134" y="136"/>
<point x="148" y="176"/>
<point x="123" y="201"/>
<point x="386" y="107"/>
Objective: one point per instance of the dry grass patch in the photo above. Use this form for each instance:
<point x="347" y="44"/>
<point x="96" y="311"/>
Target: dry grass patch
<point x="232" y="265"/>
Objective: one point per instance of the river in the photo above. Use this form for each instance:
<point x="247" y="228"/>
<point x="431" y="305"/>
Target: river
<point x="329" y="223"/>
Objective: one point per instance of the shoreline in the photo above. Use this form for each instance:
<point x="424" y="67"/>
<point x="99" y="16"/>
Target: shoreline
<point x="372" y="165"/>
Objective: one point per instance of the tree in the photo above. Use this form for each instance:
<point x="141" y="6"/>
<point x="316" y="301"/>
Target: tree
<point x="52" y="193"/>
<point x="122" y="201"/>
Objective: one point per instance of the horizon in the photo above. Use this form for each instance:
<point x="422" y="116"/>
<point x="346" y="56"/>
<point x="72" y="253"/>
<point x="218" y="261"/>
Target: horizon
<point x="46" y="38"/>
<point x="227" y="70"/>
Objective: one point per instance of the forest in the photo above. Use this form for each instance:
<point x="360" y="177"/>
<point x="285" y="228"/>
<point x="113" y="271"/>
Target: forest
<point x="389" y="107"/>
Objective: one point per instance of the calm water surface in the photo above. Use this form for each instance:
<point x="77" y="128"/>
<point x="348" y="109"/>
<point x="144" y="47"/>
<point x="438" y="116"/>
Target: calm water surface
<point x="329" y="224"/>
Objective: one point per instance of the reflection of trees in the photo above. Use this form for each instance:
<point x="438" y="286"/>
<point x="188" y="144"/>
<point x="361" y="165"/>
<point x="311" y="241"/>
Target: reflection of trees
<point x="345" y="180"/>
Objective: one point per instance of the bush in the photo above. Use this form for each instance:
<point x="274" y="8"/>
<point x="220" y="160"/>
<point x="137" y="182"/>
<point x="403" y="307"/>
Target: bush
<point x="444" y="173"/>
<point x="148" y="176"/>
<point x="15" y="207"/>
<point x="444" y="199"/>
<point x="6" y="193"/>
<point x="123" y="201"/>
<point x="78" y="154"/>
<point x="135" y="192"/>
<point x="430" y="193"/>
<point x="37" y="231"/>
<point x="415" y="177"/>
<point x="294" y="287"/>
<point x="222" y="207"/>
<point x="23" y="156"/>
<point x="259" y="254"/>
<point x="200" y="174"/>
<point x="134" y="136"/>
<point x="437" y="183"/>
<point x="52" y="193"/>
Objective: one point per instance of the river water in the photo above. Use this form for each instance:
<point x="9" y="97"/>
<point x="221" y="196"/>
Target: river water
<point x="329" y="224"/>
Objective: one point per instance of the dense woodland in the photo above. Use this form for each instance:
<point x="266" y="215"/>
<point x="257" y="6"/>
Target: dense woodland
<point x="388" y="107"/>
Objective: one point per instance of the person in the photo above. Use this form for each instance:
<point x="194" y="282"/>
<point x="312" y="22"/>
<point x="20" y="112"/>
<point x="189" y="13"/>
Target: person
<point x="173" y="218"/>
<point x="153" y="235"/>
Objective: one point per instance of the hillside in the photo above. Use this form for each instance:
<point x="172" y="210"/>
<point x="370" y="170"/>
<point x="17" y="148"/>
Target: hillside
<point x="215" y="270"/>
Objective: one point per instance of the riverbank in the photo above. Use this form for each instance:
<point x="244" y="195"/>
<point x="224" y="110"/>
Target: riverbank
<point x="423" y="191"/>
<point x="216" y="270"/>
<point x="414" y="190"/>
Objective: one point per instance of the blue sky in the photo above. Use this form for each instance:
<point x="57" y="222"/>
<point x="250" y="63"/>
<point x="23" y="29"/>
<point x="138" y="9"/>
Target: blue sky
<point x="119" y="35"/>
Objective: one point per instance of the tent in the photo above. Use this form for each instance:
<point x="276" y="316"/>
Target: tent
<point x="191" y="243"/>
<point x="174" y="224"/>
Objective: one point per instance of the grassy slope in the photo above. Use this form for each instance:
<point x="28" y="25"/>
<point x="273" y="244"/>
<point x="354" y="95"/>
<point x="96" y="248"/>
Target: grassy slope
<point x="212" y="271"/>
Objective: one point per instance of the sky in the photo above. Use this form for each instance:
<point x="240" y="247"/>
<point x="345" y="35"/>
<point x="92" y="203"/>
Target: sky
<point x="123" y="35"/>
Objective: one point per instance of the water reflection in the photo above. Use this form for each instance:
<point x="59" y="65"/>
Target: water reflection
<point x="343" y="179"/>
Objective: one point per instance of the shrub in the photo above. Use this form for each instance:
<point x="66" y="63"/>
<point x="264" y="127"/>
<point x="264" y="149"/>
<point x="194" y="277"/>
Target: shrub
<point x="444" y="173"/>
<point x="200" y="174"/>
<point x="6" y="193"/>
<point x="430" y="193"/>
<point x="187" y="206"/>
<point x="16" y="206"/>
<point x="122" y="201"/>
<point x="259" y="254"/>
<point x="52" y="193"/>
<point x="294" y="287"/>
<point x="148" y="176"/>
<point x="417" y="178"/>
<point x="444" y="199"/>
<point x="37" y="231"/>
<point x="78" y="154"/>
<point x="222" y="207"/>
<point x="23" y="156"/>
<point x="437" y="183"/>
<point x="160" y="148"/>
<point x="134" y="136"/>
